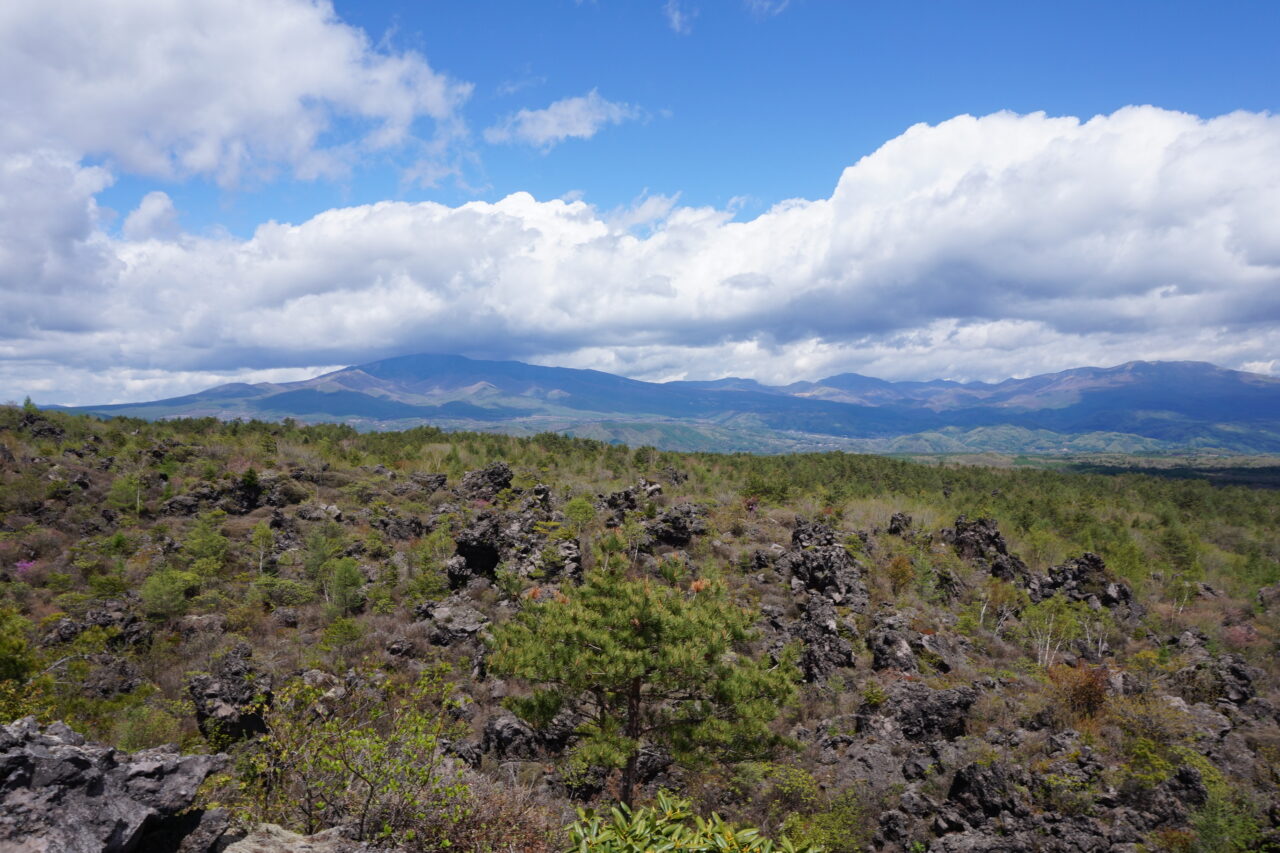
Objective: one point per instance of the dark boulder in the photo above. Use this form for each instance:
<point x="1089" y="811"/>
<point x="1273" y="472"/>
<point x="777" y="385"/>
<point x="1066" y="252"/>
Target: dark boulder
<point x="486" y="483"/>
<point x="981" y="542"/>
<point x="319" y="512"/>
<point x="285" y="617"/>
<point x="399" y="647"/>
<point x="420" y="484"/>
<point x="230" y="699"/>
<point x="899" y="524"/>
<point x="453" y="620"/>
<point x="396" y="526"/>
<point x="812" y="534"/>
<point x="984" y="791"/>
<point x="131" y="629"/>
<point x="677" y="526"/>
<point x="37" y="426"/>
<point x="823" y="649"/>
<point x="918" y="713"/>
<point x="59" y="794"/>
<point x="828" y="570"/>
<point x="617" y="505"/>
<point x="125" y="626"/>
<point x="507" y="737"/>
<point x="1226" y="678"/>
<point x="111" y="676"/>
<point x="1087" y="579"/>
<point x="891" y="641"/>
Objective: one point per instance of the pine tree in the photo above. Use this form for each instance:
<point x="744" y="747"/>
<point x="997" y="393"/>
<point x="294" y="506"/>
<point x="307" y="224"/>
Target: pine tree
<point x="645" y="662"/>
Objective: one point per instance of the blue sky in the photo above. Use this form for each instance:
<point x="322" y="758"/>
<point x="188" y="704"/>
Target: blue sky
<point x="200" y="191"/>
<point x="753" y="107"/>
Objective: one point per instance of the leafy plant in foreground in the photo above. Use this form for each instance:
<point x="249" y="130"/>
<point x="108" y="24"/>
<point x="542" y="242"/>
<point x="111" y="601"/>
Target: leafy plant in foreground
<point x="669" y="825"/>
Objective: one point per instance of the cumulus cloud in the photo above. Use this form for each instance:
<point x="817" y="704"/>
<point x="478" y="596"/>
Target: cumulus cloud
<point x="220" y="88"/>
<point x="154" y="219"/>
<point x="568" y="118"/>
<point x="52" y="251"/>
<point x="977" y="248"/>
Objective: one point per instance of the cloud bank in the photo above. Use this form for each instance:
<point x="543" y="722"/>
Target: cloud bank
<point x="229" y="89"/>
<point x="981" y="247"/>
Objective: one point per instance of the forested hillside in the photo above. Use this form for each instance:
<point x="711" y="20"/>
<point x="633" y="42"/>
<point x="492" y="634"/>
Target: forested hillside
<point x="457" y="640"/>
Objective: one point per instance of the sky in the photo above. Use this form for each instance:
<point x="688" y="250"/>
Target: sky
<point x="195" y="192"/>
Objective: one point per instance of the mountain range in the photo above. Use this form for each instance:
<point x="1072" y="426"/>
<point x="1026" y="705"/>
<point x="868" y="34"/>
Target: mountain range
<point x="1135" y="407"/>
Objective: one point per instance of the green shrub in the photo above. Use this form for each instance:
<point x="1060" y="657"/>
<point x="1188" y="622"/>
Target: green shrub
<point x="669" y="824"/>
<point x="283" y="592"/>
<point x="371" y="760"/>
<point x="841" y="827"/>
<point x="166" y="593"/>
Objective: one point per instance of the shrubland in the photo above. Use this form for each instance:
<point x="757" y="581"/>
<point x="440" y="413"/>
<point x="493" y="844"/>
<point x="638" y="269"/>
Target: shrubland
<point x="473" y="641"/>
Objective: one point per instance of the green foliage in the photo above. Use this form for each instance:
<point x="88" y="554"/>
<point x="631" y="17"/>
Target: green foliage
<point x="669" y="824"/>
<point x="873" y="695"/>
<point x="341" y="634"/>
<point x="842" y="825"/>
<point x="125" y="493"/>
<point x="145" y="725"/>
<point x="645" y="662"/>
<point x="1050" y="624"/>
<point x="283" y="592"/>
<point x="323" y="545"/>
<point x="774" y="490"/>
<point x="371" y="758"/>
<point x="343" y="586"/>
<point x="17" y="661"/>
<point x="579" y="512"/>
<point x="1161" y="534"/>
<point x="166" y="593"/>
<point x="205" y="546"/>
<point x="262" y="541"/>
<point x="1228" y="822"/>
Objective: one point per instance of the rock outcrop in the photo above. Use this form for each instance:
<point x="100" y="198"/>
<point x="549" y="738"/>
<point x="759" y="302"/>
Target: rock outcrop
<point x="269" y="838"/>
<point x="59" y="794"/>
<point x="899" y="524"/>
<point x="678" y="525"/>
<point x="451" y="621"/>
<point x="821" y="632"/>
<point x="914" y="712"/>
<point x="229" y="700"/>
<point x="617" y="505"/>
<point x="890" y="641"/>
<point x="486" y="483"/>
<point x="815" y="563"/>
<point x="982" y="542"/>
<point x="1087" y="579"/>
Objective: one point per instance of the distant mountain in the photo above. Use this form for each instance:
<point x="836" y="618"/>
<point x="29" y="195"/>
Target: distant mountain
<point x="1135" y="407"/>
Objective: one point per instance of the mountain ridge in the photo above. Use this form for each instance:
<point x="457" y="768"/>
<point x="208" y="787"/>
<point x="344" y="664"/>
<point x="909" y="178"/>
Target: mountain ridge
<point x="1138" y="406"/>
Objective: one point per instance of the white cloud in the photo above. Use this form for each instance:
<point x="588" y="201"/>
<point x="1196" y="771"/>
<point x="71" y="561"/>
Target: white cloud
<point x="679" y="18"/>
<point x="568" y="118"/>
<point x="154" y="219"/>
<point x="646" y="209"/>
<point x="223" y="88"/>
<point x="976" y="248"/>
<point x="52" y="251"/>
